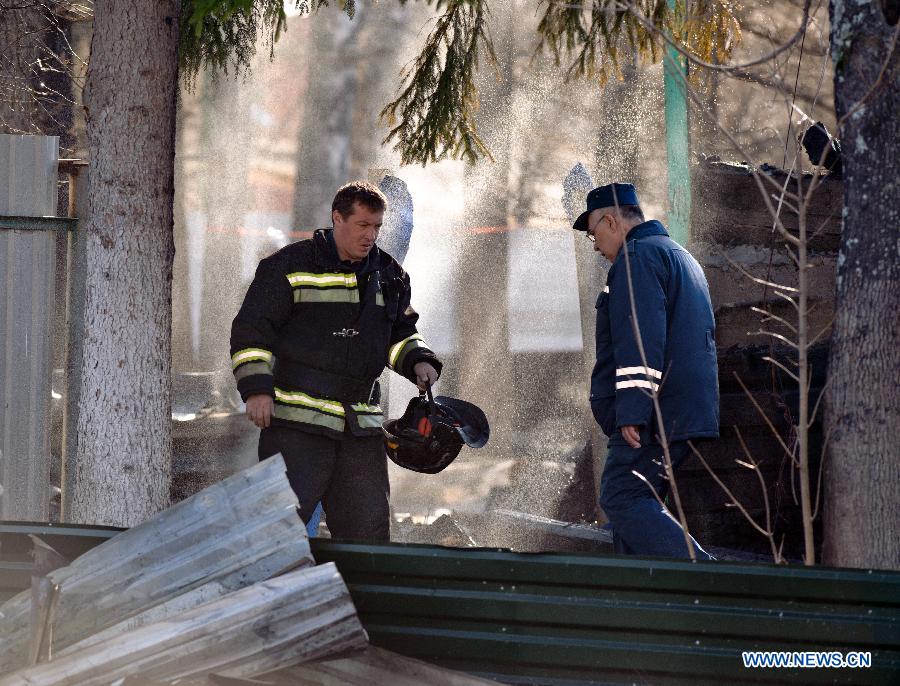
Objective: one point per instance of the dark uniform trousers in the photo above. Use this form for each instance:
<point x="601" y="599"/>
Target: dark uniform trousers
<point x="349" y="476"/>
<point x="641" y="526"/>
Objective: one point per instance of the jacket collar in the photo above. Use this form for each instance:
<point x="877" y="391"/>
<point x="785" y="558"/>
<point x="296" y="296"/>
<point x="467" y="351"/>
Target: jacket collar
<point x="648" y="228"/>
<point x="326" y="255"/>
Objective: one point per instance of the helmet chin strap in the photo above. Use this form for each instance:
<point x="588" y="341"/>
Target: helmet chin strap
<point x="431" y="405"/>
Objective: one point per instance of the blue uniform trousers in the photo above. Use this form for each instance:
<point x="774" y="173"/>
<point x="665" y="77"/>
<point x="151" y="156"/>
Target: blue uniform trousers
<point x="641" y="526"/>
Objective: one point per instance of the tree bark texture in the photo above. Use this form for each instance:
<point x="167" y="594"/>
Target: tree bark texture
<point x="862" y="510"/>
<point x="123" y="459"/>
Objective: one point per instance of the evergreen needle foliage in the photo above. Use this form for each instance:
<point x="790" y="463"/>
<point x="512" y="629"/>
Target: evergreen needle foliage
<point x="596" y="30"/>
<point x="223" y="34"/>
<point x="433" y="117"/>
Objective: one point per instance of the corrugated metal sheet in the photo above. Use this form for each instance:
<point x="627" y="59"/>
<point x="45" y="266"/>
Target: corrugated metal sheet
<point x="27" y="275"/>
<point x="587" y="619"/>
<point x="235" y="533"/>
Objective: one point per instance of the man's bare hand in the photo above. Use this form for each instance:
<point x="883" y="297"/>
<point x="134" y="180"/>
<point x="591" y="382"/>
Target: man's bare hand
<point x="259" y="409"/>
<point x="426" y="375"/>
<point x="632" y="436"/>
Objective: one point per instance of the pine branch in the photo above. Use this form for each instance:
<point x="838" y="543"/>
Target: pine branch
<point x="433" y="117"/>
<point x="595" y="31"/>
<point x="222" y="34"/>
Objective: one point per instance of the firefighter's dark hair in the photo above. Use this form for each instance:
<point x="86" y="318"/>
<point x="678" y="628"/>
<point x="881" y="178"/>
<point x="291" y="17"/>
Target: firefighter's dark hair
<point x="366" y="194"/>
<point x="631" y="212"/>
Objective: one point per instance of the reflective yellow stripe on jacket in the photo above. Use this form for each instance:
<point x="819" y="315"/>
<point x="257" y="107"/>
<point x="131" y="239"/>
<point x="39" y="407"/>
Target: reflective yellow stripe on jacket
<point x="302" y="399"/>
<point x="398" y="352"/>
<point x="297" y="406"/>
<point x="368" y="416"/>
<point x="250" y="361"/>
<point x="327" y="280"/>
<point x="328" y="287"/>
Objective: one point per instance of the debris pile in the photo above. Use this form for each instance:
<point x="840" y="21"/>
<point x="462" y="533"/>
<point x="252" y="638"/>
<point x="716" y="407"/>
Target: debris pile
<point x="219" y="588"/>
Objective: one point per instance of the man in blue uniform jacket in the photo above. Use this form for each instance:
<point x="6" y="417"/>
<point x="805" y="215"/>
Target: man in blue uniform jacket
<point x="673" y="357"/>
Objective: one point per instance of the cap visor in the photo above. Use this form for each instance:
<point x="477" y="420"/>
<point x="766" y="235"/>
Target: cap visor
<point x="581" y="224"/>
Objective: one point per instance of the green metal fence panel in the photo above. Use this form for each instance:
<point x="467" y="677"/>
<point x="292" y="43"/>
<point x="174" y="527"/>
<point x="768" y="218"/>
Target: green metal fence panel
<point x="570" y="619"/>
<point x="70" y="541"/>
<point x="589" y="619"/>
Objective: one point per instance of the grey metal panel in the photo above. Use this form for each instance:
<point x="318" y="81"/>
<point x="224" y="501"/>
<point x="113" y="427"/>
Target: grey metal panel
<point x="31" y="190"/>
<point x="37" y="223"/>
<point x="27" y="264"/>
<point x="239" y="531"/>
<point x="26" y="311"/>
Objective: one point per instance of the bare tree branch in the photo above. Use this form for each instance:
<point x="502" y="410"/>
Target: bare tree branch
<point x="755" y="279"/>
<point x="781" y="338"/>
<point x="778" y="364"/>
<point x="765" y="417"/>
<point x="768" y="316"/>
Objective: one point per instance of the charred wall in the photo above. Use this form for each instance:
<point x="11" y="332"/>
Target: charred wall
<point x="733" y="233"/>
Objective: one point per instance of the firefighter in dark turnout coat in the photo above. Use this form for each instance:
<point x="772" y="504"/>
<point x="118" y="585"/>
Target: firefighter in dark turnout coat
<point x="677" y="363"/>
<point x="319" y="323"/>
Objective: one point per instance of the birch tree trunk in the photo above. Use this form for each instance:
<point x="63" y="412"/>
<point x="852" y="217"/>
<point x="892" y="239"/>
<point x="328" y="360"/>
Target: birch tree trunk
<point x="122" y="464"/>
<point x="862" y="511"/>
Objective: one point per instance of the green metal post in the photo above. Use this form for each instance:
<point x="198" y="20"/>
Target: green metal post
<point x="677" y="144"/>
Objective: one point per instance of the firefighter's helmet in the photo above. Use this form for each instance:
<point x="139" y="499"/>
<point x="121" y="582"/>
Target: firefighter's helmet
<point x="432" y="431"/>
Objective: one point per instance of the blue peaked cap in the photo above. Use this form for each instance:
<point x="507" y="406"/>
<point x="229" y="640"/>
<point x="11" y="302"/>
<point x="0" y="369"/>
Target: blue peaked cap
<point x="606" y="196"/>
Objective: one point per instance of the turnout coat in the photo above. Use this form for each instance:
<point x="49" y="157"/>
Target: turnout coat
<point x="315" y="333"/>
<point x="677" y="329"/>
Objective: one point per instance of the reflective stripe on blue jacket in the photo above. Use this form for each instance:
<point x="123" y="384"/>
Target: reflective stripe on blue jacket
<point x="677" y="329"/>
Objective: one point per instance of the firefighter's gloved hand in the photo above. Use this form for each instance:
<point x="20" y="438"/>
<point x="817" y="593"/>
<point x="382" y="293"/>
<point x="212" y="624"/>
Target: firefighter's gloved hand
<point x="259" y="409"/>
<point x="426" y="375"/>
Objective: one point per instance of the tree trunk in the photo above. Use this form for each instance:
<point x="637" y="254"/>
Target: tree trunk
<point x="324" y="151"/>
<point x="123" y="459"/>
<point x="862" y="511"/>
<point x="382" y="57"/>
